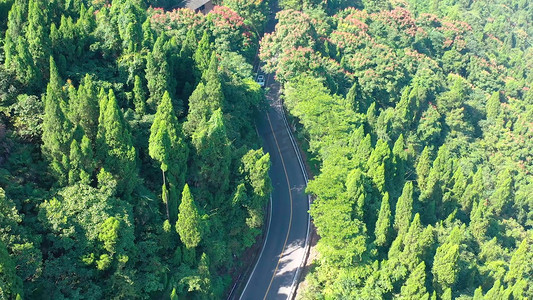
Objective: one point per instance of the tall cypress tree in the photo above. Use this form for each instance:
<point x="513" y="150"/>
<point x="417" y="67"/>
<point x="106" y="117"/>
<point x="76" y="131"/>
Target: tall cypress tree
<point x="518" y="268"/>
<point x="37" y="34"/>
<point x="352" y="99"/>
<point x="473" y="192"/>
<point x="416" y="243"/>
<point x="206" y="98"/>
<point x="399" y="159"/>
<point x="139" y="96"/>
<point x="188" y="225"/>
<point x="57" y="128"/>
<point x="24" y="64"/>
<point x="494" y="106"/>
<point x="116" y="146"/>
<point x="213" y="84"/>
<point x="502" y="198"/>
<point x="157" y="72"/>
<point x="202" y="55"/>
<point x="15" y="29"/>
<point x="415" y="286"/>
<point x="87" y="110"/>
<point x="404" y="209"/>
<point x="357" y="190"/>
<point x="213" y="156"/>
<point x="423" y="167"/>
<point x="167" y="146"/>
<point x="383" y="224"/>
<point x="445" y="270"/>
<point x="81" y="161"/>
<point x="479" y="220"/>
<point x="379" y="165"/>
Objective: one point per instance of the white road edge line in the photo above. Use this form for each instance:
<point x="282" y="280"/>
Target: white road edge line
<point x="262" y="249"/>
<point x="304" y="173"/>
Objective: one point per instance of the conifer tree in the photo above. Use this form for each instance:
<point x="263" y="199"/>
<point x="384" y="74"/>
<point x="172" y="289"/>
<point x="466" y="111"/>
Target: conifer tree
<point x="519" y="267"/>
<point x="81" y="161"/>
<point x="494" y="106"/>
<point x="404" y="115"/>
<point x="213" y="85"/>
<point x="383" y="224"/>
<point x="352" y="99"/>
<point x="357" y="137"/>
<point x="24" y="65"/>
<point x="87" y="110"/>
<point x="423" y="167"/>
<point x="205" y="275"/>
<point x="129" y="18"/>
<point x="148" y="35"/>
<point x="379" y="165"/>
<point x="75" y="162"/>
<point x="404" y="209"/>
<point x="15" y="29"/>
<point x="115" y="145"/>
<point x="503" y="195"/>
<point x="206" y="98"/>
<point x="188" y="225"/>
<point x="497" y="291"/>
<point x="447" y="295"/>
<point x="363" y="151"/>
<point x="399" y="159"/>
<point x="139" y="96"/>
<point x="415" y="286"/>
<point x="478" y="294"/>
<point x="371" y="116"/>
<point x="174" y="294"/>
<point x="213" y="156"/>
<point x="37" y="34"/>
<point x="357" y="189"/>
<point x="479" y="220"/>
<point x="167" y="146"/>
<point x="57" y="128"/>
<point x="416" y="243"/>
<point x="255" y="167"/>
<point x="474" y="192"/>
<point x="157" y="72"/>
<point x="445" y="269"/>
<point x="459" y="184"/>
<point x="203" y="52"/>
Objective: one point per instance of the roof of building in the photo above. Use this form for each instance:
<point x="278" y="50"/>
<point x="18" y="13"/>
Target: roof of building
<point x="193" y="4"/>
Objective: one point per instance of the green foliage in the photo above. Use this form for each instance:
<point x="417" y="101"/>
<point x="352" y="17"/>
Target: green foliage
<point x="445" y="266"/>
<point x="82" y="222"/>
<point x="108" y="131"/>
<point x="415" y="285"/>
<point x="167" y="146"/>
<point x="189" y="225"/>
<point x="383" y="225"/>
<point x="10" y="283"/>
<point x="404" y="209"/>
<point x="157" y="72"/>
<point x="85" y="108"/>
<point x="115" y="145"/>
<point x="211" y="163"/>
<point x="57" y="128"/>
<point x="28" y="117"/>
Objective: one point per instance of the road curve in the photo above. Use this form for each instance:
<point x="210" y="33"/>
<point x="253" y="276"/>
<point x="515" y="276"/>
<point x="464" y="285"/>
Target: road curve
<point x="286" y="244"/>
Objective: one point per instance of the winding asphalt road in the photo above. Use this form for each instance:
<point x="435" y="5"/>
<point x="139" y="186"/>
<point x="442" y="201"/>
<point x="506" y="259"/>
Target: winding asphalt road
<point x="278" y="267"/>
<point x="276" y="271"/>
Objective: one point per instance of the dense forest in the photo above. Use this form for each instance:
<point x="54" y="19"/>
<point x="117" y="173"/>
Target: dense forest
<point x="417" y="117"/>
<point x="130" y="166"/>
